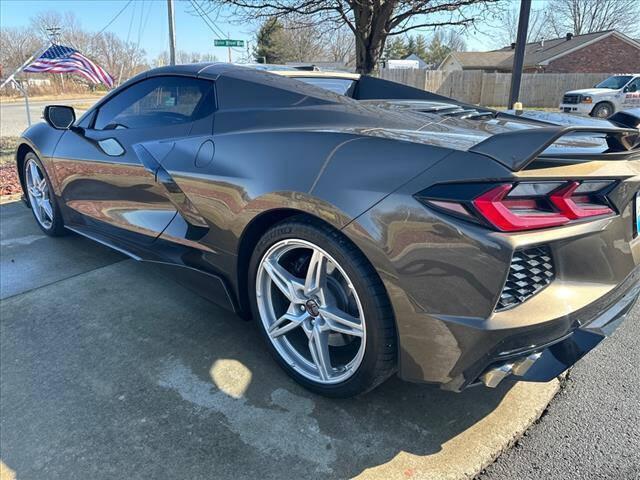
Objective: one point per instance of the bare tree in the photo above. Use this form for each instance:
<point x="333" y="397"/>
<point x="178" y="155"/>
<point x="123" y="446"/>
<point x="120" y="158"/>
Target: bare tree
<point x="16" y="46"/>
<point x="183" y="57"/>
<point x="586" y="16"/>
<point x="303" y="42"/>
<point x="442" y="44"/>
<point x="507" y="26"/>
<point x="454" y="40"/>
<point x="121" y="59"/>
<point x="370" y="21"/>
<point x="341" y="46"/>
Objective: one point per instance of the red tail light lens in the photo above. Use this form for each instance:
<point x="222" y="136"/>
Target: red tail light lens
<point x="575" y="205"/>
<point x="512" y="207"/>
<point x="512" y="215"/>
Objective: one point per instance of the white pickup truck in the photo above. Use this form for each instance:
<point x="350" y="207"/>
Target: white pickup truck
<point x="616" y="93"/>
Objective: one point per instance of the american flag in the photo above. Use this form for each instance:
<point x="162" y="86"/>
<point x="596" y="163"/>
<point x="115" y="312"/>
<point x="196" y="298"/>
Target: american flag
<point x="61" y="59"/>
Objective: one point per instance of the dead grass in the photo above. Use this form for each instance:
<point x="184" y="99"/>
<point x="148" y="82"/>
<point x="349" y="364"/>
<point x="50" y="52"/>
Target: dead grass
<point x="9" y="182"/>
<point x="7" y="149"/>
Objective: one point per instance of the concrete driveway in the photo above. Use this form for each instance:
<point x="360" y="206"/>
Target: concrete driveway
<point x="109" y="370"/>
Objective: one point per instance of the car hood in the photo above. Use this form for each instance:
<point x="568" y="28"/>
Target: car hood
<point x="591" y="91"/>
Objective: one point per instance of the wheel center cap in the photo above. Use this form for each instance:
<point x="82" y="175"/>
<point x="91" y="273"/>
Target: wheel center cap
<point x="312" y="308"/>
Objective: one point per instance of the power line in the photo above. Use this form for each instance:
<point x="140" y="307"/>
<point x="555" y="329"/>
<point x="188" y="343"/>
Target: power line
<point x="115" y="17"/>
<point x="206" y="19"/>
<point x="211" y="24"/>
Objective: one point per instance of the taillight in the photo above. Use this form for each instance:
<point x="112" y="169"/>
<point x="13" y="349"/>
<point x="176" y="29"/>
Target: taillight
<point x="514" y="207"/>
<point x="575" y="201"/>
<point x="512" y="215"/>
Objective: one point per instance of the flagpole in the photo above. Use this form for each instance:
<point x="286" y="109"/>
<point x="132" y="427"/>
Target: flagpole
<point x="23" y="66"/>
<point x="11" y="78"/>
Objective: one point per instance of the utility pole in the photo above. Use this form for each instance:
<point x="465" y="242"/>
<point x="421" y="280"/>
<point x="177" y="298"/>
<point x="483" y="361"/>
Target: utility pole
<point x="518" y="57"/>
<point x="54" y="38"/>
<point x="54" y="34"/>
<point x="229" y="48"/>
<point x="172" y="33"/>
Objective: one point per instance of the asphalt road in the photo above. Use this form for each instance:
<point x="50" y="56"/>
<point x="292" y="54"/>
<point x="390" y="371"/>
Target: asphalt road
<point x="13" y="116"/>
<point x="592" y="428"/>
<point x="109" y="370"/>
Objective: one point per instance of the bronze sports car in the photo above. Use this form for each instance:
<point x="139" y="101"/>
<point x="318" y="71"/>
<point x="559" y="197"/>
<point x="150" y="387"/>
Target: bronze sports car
<point x="369" y="231"/>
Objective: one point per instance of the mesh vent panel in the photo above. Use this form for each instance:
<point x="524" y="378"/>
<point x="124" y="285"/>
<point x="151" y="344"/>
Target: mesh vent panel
<point x="531" y="270"/>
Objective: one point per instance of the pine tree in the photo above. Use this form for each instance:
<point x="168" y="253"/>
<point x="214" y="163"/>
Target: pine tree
<point x="437" y="50"/>
<point x="411" y="46"/>
<point x="396" y="49"/>
<point x="271" y="43"/>
<point x="421" y="48"/>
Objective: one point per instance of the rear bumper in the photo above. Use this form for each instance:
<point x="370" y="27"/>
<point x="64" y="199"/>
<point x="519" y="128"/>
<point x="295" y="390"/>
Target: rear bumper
<point x="583" y="331"/>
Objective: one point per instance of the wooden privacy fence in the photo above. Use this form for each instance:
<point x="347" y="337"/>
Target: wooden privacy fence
<point x="492" y="89"/>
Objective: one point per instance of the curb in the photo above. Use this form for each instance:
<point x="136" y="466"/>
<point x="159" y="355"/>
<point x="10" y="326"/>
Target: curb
<point x="466" y="455"/>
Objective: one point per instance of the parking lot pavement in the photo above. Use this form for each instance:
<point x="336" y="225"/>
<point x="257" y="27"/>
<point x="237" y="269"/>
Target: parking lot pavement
<point x="109" y="370"/>
<point x="592" y="428"/>
<point x="26" y="263"/>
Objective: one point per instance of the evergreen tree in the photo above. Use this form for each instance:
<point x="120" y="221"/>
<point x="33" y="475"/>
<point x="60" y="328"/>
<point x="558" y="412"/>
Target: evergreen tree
<point x="411" y="46"/>
<point x="421" y="48"/>
<point x="271" y="43"/>
<point x="396" y="49"/>
<point x="437" y="50"/>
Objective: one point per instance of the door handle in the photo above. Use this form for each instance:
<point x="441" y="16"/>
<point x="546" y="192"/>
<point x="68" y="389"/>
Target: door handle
<point x="111" y="147"/>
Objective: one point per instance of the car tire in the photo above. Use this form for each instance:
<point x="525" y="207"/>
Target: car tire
<point x="359" y="291"/>
<point x="602" y="110"/>
<point x="41" y="198"/>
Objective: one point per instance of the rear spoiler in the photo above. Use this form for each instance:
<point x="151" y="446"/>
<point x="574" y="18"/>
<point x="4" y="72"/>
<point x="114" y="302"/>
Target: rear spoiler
<point x="517" y="149"/>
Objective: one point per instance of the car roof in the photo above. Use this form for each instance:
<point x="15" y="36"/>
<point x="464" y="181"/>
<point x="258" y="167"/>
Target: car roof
<point x="315" y="74"/>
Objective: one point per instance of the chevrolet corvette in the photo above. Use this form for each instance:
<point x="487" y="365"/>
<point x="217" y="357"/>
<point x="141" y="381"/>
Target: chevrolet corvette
<point x="387" y="230"/>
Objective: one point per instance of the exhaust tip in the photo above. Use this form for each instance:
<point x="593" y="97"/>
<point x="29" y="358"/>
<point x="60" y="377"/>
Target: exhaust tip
<point x="492" y="377"/>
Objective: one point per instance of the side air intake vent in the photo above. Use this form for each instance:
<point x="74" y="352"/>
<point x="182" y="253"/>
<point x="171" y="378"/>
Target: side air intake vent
<point x="531" y="270"/>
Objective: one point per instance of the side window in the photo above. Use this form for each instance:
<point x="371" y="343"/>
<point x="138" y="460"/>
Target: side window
<point x="634" y="86"/>
<point x="156" y="102"/>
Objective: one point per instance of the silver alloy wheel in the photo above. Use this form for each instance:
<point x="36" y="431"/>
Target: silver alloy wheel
<point x="38" y="191"/>
<point x="313" y="318"/>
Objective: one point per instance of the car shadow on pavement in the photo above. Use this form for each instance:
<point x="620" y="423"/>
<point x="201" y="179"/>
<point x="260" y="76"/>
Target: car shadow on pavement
<point x="120" y="372"/>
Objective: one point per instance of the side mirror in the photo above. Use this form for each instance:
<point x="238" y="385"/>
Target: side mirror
<point x="59" y="117"/>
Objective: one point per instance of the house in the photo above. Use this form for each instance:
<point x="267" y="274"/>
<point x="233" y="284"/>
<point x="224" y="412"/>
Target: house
<point x="422" y="65"/>
<point x="609" y="51"/>
<point x="490" y="62"/>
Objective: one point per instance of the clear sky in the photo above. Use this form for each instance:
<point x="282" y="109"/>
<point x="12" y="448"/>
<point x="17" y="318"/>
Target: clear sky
<point x="145" y="21"/>
<point x="142" y="20"/>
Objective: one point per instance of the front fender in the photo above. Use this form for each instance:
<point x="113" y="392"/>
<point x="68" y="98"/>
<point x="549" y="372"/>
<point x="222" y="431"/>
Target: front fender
<point x="42" y="139"/>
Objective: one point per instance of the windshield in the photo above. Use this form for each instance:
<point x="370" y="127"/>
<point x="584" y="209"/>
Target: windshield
<point x="615" y="83"/>
<point x="341" y="86"/>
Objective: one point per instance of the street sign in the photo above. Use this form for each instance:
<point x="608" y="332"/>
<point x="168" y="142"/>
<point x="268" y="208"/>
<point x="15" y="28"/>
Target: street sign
<point x="228" y="43"/>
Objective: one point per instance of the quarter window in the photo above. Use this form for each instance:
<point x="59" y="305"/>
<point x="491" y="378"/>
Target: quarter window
<point x="156" y="102"/>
